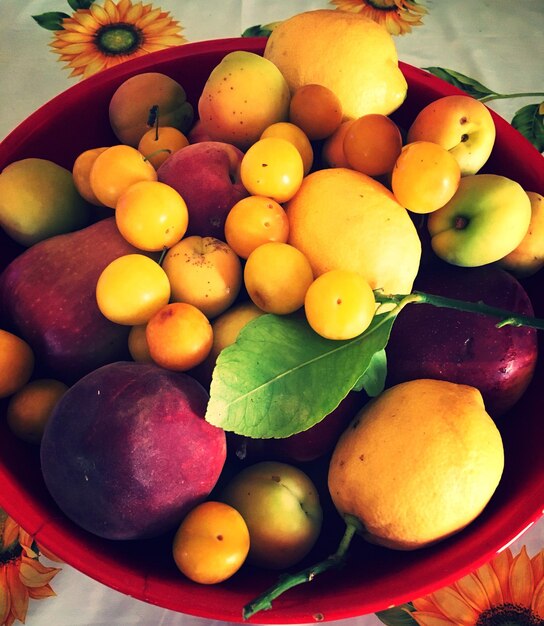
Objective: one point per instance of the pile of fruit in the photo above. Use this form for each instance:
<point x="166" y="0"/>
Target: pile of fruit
<point x="241" y="297"/>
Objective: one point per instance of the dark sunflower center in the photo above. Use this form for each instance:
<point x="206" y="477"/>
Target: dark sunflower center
<point x="10" y="553"/>
<point x="115" y="39"/>
<point x="509" y="615"/>
<point x="383" y="5"/>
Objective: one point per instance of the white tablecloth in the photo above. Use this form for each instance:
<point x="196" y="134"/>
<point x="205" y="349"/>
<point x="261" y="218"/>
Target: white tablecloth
<point x="497" y="42"/>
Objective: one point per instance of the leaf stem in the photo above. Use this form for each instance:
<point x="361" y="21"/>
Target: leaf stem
<point x="504" y="96"/>
<point x="506" y="318"/>
<point x="287" y="581"/>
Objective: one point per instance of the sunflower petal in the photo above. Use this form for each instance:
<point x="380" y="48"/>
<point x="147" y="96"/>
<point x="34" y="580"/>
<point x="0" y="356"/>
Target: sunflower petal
<point x="11" y="532"/>
<point x="34" y="574"/>
<point x="145" y="20"/>
<point x="473" y="592"/>
<point x="454" y="607"/>
<point x="122" y="7"/>
<point x="425" y="604"/>
<point x="501" y="566"/>
<point x="537" y="604"/>
<point x="424" y="618"/>
<point x="18" y="592"/>
<point x="5" y="600"/>
<point x="537" y="563"/>
<point x="134" y="13"/>
<point x="84" y="17"/>
<point x="491" y="584"/>
<point x="111" y="9"/>
<point x="99" y="14"/>
<point x="39" y="593"/>
<point x="521" y="579"/>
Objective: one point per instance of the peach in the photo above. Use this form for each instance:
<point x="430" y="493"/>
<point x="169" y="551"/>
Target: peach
<point x="131" y="104"/>
<point x="204" y="272"/>
<point x="462" y="125"/>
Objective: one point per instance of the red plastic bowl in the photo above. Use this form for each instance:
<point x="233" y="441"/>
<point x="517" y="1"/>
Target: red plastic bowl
<point x="375" y="578"/>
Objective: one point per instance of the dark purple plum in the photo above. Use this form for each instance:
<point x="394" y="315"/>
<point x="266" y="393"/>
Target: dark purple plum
<point x="431" y="342"/>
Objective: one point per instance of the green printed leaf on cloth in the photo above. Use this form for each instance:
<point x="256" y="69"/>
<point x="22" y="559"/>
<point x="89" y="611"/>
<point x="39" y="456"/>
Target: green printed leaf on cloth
<point x="467" y="84"/>
<point x="398" y="615"/>
<point x="529" y="121"/>
<point x="80" y="4"/>
<point x="260" y="30"/>
<point x="280" y="377"/>
<point x="52" y="20"/>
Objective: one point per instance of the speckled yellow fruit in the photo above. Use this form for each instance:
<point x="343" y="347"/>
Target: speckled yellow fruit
<point x="243" y="95"/>
<point x="343" y="219"/>
<point x="353" y="56"/>
<point x="417" y="464"/>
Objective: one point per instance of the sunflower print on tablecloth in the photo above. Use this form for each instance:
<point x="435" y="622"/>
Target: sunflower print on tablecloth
<point x="506" y="591"/>
<point x="397" y="16"/>
<point x="22" y="575"/>
<point x="101" y="35"/>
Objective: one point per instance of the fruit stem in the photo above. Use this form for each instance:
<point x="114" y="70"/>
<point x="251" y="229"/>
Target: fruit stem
<point x="506" y="318"/>
<point x="287" y="581"/>
<point x="504" y="96"/>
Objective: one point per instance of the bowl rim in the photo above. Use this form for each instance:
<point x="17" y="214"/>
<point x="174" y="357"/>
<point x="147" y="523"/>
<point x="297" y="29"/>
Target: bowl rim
<point x="54" y="532"/>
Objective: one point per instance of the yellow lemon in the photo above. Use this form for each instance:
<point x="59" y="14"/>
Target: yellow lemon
<point x="343" y="219"/>
<point x="352" y="55"/>
<point x="417" y="464"/>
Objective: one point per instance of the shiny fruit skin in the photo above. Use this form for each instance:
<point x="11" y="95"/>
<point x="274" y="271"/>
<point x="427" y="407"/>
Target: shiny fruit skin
<point x="16" y="363"/>
<point x="272" y="167"/>
<point x="211" y="543"/>
<point x="339" y="304"/>
<point x="179" y="336"/>
<point x="315" y="109"/>
<point x="372" y="144"/>
<point x="131" y="289"/>
<point x="277" y="276"/>
<point x="425" y="177"/>
<point x="253" y="221"/>
<point x="115" y="170"/>
<point x="151" y="215"/>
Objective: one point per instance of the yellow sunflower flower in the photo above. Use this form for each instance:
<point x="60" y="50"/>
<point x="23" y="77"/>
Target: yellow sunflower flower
<point x="22" y="576"/>
<point x="506" y="591"/>
<point x="105" y="35"/>
<point x="398" y="16"/>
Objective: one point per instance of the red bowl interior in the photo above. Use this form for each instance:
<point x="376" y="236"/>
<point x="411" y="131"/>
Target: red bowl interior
<point x="374" y="578"/>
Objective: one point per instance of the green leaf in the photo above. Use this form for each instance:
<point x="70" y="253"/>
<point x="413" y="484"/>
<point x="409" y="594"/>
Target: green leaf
<point x="280" y="377"/>
<point x="529" y="121"/>
<point x="258" y="30"/>
<point x="80" y="4"/>
<point x="398" y="615"/>
<point x="373" y="379"/>
<point x="470" y="85"/>
<point x="52" y="20"/>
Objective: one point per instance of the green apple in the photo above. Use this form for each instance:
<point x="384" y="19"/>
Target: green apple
<point x="38" y="199"/>
<point x="485" y="220"/>
<point x="462" y="125"/>
<point x="281" y="508"/>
